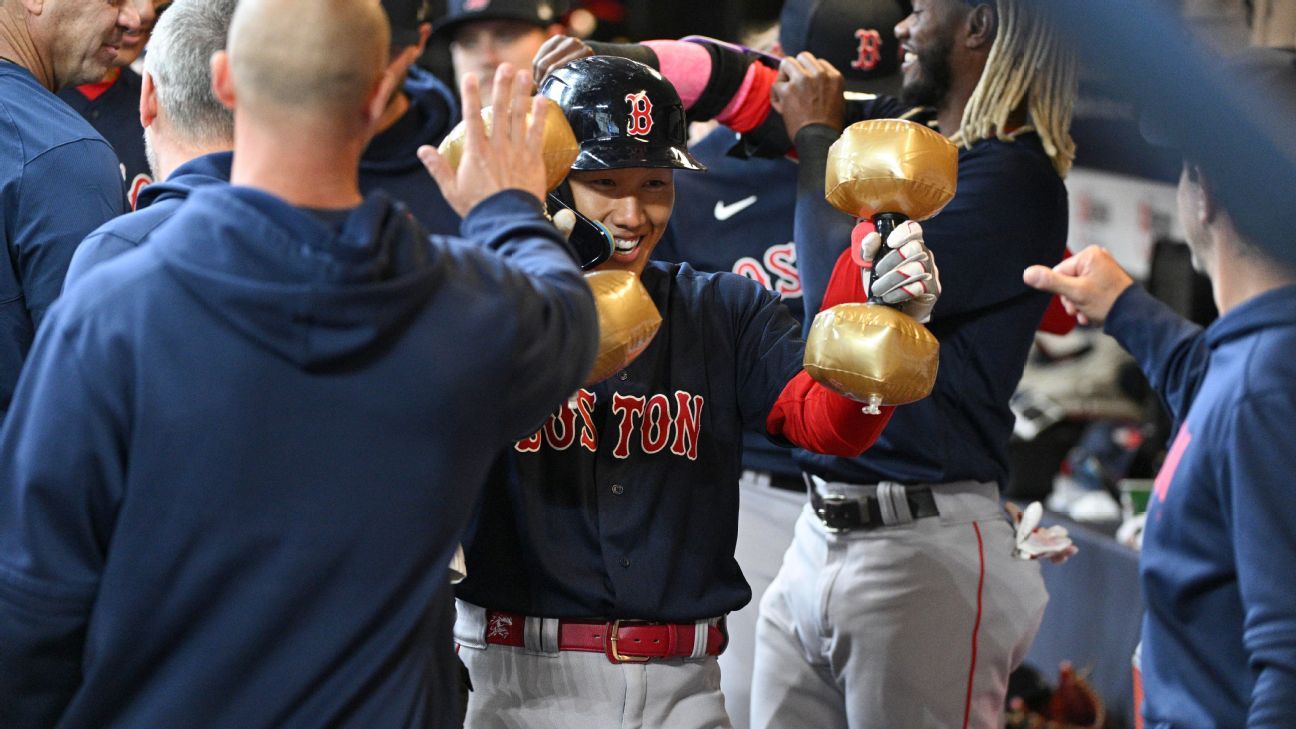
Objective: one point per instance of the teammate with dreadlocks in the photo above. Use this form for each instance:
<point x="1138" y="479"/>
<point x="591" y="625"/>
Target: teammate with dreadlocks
<point x="900" y="603"/>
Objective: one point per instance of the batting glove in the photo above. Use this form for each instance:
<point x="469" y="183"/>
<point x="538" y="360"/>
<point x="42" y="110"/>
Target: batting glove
<point x="907" y="275"/>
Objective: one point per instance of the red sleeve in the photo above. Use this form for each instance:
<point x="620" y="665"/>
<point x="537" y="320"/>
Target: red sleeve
<point x="1056" y="319"/>
<point x="818" y="419"/>
<point x="814" y="417"/>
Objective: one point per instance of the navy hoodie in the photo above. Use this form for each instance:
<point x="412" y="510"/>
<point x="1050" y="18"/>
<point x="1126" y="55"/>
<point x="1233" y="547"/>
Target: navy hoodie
<point x="1219" y="634"/>
<point x="242" y="455"/>
<point x="156" y="203"/>
<point x="391" y="164"/>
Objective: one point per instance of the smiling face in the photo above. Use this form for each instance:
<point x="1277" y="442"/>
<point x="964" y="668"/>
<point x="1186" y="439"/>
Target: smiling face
<point x="635" y="203"/>
<point x="134" y="39"/>
<point x="927" y="37"/>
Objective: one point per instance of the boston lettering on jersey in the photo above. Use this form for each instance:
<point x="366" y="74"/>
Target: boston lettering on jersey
<point x="653" y="423"/>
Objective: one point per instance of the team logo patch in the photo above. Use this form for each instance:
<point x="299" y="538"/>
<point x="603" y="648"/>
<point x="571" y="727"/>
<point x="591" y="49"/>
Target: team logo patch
<point x="499" y="626"/>
<point x="471" y="5"/>
<point x="641" y="121"/>
<point x="870" y="49"/>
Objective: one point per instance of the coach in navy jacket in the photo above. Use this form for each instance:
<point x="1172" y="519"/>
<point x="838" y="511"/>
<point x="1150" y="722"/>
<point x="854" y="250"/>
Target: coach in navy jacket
<point x="1219" y="635"/>
<point x="241" y="455"/>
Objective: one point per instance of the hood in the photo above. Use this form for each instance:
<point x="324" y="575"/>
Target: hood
<point x="1271" y="309"/>
<point x="433" y="112"/>
<point x="287" y="282"/>
<point x="208" y="169"/>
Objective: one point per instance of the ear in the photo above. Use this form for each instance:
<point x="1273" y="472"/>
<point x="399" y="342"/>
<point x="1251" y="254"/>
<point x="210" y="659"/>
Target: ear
<point x="222" y="80"/>
<point x="425" y="32"/>
<point x="148" y="108"/>
<point x="382" y="94"/>
<point x="981" y="27"/>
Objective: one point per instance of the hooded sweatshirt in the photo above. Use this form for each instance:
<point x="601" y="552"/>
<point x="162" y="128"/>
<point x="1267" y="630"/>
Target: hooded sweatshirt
<point x="391" y="164"/>
<point x="242" y="455"/>
<point x="1219" y="634"/>
<point x="156" y="203"/>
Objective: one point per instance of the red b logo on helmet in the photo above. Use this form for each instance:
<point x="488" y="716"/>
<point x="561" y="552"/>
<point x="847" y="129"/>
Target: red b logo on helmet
<point x="641" y="121"/>
<point x="870" y="49"/>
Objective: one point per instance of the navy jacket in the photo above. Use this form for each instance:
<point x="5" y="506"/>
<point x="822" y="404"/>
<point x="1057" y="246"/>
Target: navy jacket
<point x="242" y="455"/>
<point x="114" y="113"/>
<point x="1219" y="634"/>
<point x="626" y="506"/>
<point x="1010" y="212"/>
<point x="155" y="205"/>
<point x="58" y="182"/>
<point x="737" y="216"/>
<point x="391" y="165"/>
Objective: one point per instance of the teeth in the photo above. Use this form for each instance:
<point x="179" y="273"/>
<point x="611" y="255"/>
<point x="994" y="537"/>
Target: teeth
<point x="625" y="245"/>
<point x="910" y="57"/>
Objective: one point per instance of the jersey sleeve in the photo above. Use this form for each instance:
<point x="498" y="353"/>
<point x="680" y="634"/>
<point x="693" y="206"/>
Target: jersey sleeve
<point x="1258" y="473"/>
<point x="62" y="454"/>
<point x="1171" y="351"/>
<point x="821" y="231"/>
<point x="67" y="192"/>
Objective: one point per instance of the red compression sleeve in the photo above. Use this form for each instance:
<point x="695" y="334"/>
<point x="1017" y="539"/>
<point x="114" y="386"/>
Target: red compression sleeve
<point x="814" y="417"/>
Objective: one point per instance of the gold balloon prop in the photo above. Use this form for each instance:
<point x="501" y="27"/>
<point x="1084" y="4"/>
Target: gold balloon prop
<point x="872" y="353"/>
<point x="559" y="148"/>
<point x="628" y="321"/>
<point x="891" y="166"/>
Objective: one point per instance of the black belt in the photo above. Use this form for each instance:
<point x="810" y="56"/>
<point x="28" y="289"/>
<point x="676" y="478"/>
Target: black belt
<point x="840" y="513"/>
<point x="779" y="481"/>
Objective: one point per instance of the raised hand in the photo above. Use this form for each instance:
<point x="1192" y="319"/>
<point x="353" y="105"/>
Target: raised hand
<point x="1088" y="283"/>
<point x="808" y="90"/>
<point x="508" y="158"/>
<point x="556" y="52"/>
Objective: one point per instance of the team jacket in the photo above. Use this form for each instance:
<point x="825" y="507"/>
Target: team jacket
<point x="626" y="505"/>
<point x="112" y="108"/>
<point x="58" y="182"/>
<point x="391" y="165"/>
<point x="241" y="457"/>
<point x="738" y="217"/>
<point x="1220" y="539"/>
<point x="156" y="203"/>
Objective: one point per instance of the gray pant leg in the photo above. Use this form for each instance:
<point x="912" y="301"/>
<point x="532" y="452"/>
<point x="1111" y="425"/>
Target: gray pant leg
<point x="766" y="517"/>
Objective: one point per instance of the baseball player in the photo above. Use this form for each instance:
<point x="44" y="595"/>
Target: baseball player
<point x="603" y="565"/>
<point x="738" y="217"/>
<point x="931" y="639"/>
<point x="482" y="34"/>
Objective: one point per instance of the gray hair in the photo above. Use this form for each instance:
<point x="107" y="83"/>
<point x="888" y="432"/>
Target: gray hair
<point x="179" y="60"/>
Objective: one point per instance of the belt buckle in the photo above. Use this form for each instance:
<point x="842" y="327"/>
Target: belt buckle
<point x="831" y="502"/>
<point x="613" y="653"/>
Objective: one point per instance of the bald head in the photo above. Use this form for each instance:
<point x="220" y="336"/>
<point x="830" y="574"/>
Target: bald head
<point x="314" y="57"/>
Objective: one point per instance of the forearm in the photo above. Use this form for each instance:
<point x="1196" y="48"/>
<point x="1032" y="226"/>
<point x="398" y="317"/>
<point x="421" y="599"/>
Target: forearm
<point x="1168" y="348"/>
<point x="817" y="419"/>
<point x="821" y="232"/>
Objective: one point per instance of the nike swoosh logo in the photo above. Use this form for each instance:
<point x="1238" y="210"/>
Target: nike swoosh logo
<point x="724" y="212"/>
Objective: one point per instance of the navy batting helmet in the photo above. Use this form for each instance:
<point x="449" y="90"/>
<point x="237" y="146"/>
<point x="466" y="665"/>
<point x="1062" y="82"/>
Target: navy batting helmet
<point x="624" y="114"/>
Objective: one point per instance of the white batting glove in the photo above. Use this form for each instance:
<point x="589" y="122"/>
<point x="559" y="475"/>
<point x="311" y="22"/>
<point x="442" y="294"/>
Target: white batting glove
<point x="907" y="275"/>
<point x="1033" y="542"/>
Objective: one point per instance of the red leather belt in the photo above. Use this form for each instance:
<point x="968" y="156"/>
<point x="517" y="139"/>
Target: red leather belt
<point x="622" y="641"/>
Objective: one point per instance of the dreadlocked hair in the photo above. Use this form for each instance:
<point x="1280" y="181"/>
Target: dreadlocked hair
<point x="1027" y="61"/>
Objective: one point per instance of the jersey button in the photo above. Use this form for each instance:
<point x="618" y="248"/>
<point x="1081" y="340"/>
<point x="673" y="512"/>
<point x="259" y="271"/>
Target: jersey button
<point x="623" y="375"/>
<point x="625" y="561"/>
<point x="618" y="489"/>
